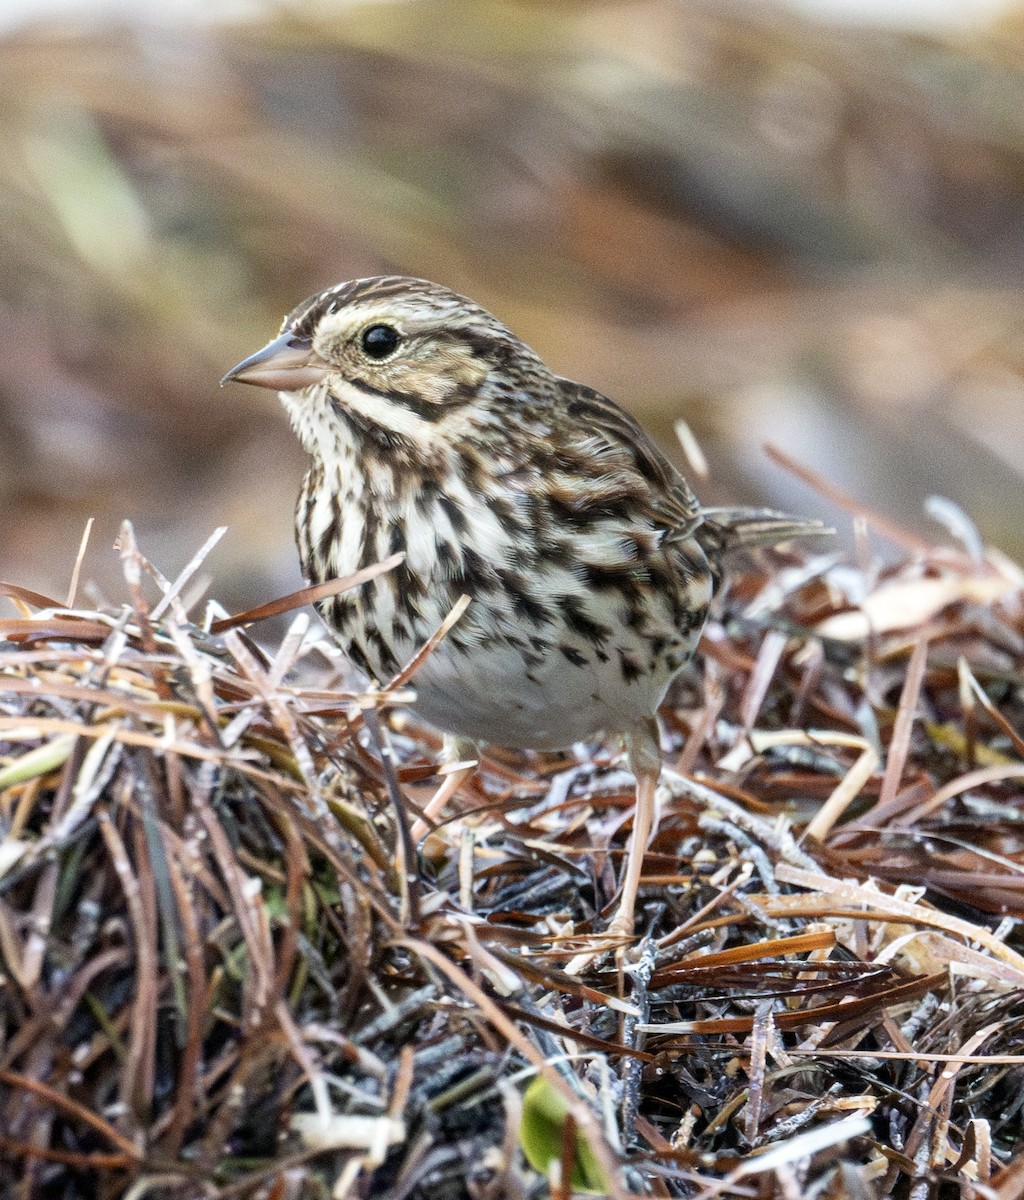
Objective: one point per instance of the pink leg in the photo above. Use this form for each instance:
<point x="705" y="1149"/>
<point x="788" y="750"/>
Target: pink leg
<point x="644" y="747"/>
<point x="643" y="819"/>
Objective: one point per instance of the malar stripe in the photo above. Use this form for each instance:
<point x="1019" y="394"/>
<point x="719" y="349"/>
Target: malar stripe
<point x="422" y="408"/>
<point x="386" y="440"/>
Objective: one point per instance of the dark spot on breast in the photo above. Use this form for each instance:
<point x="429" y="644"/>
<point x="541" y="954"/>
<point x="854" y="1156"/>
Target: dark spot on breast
<point x="522" y="558"/>
<point x="400" y="631"/>
<point x="446" y="557"/>
<point x="560" y="552"/>
<point x="685" y="615"/>
<point x="327" y="540"/>
<point x="386" y="656"/>
<point x="697" y="617"/>
<point x="634" y="614"/>
<point x="524" y="603"/>
<point x="506" y="513"/>
<point x="337" y="611"/>
<point x="660" y="579"/>
<point x="604" y="577"/>
<point x="371" y="522"/>
<point x="358" y="656"/>
<point x="427" y="496"/>
<point x="475" y="470"/>
<point x="631" y="669"/>
<point x="397" y="543"/>
<point x="476" y="573"/>
<point x="575" y="616"/>
<point x="454" y="513"/>
<point x="408" y="586"/>
<point x="573" y="655"/>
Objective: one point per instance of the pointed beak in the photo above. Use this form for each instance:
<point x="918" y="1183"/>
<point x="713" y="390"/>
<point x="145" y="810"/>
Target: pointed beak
<point x="287" y="364"/>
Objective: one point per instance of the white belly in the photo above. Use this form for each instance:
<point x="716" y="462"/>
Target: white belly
<point x="493" y="696"/>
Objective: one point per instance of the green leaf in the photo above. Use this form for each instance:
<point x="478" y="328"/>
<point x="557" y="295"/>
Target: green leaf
<point x="541" y="1134"/>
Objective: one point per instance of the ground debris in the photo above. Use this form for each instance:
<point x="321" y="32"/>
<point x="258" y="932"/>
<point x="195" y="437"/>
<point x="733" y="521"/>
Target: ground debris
<point x="230" y="966"/>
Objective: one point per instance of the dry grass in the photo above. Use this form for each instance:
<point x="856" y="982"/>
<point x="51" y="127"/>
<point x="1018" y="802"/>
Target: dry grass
<point x="225" y="970"/>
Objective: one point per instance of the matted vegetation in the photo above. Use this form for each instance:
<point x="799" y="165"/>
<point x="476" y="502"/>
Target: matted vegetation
<point x="231" y="965"/>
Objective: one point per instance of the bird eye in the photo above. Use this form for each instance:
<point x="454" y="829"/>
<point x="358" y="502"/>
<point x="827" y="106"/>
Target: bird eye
<point x="379" y="341"/>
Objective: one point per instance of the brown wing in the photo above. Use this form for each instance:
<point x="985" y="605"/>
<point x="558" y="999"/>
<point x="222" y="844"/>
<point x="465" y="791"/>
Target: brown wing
<point x="665" y="497"/>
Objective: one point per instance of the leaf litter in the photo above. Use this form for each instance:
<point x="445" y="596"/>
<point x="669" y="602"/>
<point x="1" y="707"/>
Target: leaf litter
<point x="256" y="942"/>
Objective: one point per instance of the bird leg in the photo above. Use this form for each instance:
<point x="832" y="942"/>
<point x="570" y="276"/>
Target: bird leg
<point x="643" y="746"/>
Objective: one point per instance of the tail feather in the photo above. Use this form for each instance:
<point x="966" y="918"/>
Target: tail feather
<point x="729" y="529"/>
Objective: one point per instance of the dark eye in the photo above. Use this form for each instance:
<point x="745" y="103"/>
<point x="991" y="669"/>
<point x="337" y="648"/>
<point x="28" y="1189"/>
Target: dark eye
<point x="379" y="341"/>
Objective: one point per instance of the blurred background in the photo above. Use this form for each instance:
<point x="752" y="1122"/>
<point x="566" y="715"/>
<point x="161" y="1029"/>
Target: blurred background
<point x="792" y="222"/>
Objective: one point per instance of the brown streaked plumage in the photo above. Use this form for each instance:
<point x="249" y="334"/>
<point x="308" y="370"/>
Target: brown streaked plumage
<point x="434" y="431"/>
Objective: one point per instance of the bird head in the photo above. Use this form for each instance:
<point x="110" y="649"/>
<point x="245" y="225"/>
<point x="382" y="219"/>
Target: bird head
<point x="405" y="356"/>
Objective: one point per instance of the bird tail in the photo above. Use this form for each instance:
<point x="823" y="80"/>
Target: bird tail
<point x="728" y="529"/>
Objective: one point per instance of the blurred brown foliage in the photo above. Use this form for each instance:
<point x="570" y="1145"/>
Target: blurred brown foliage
<point x="771" y="228"/>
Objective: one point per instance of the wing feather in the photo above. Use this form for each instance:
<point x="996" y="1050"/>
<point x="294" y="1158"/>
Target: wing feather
<point x="609" y="433"/>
